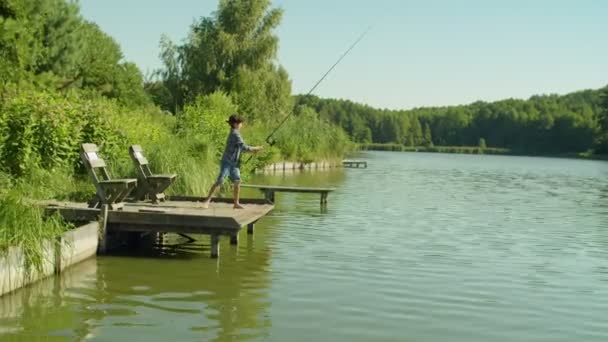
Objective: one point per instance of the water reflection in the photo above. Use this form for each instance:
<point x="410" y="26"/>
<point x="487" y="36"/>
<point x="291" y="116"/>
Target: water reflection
<point x="416" y="247"/>
<point x="31" y="314"/>
<point x="161" y="289"/>
<point x="134" y="292"/>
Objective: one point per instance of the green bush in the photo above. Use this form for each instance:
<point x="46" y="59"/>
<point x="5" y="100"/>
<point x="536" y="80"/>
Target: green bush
<point x="44" y="129"/>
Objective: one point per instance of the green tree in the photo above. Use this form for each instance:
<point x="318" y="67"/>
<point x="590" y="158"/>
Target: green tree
<point x="172" y="79"/>
<point x="603" y="122"/>
<point x="47" y="44"/>
<point x="482" y="143"/>
<point x="428" y="137"/>
<point x="234" y="51"/>
<point x="417" y="136"/>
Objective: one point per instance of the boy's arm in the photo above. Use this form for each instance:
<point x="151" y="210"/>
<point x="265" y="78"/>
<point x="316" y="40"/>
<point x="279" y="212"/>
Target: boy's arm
<point x="244" y="146"/>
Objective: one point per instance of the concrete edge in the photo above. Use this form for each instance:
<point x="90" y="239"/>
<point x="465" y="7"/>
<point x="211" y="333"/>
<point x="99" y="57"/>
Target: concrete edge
<point x="74" y="246"/>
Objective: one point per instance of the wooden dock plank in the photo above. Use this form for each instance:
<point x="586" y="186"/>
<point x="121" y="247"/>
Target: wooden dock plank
<point x="277" y="188"/>
<point x="170" y="214"/>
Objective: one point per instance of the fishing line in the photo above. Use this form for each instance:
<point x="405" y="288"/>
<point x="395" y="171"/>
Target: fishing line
<point x="269" y="140"/>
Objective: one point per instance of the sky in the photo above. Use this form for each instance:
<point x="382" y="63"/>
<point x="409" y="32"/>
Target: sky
<point x="417" y="53"/>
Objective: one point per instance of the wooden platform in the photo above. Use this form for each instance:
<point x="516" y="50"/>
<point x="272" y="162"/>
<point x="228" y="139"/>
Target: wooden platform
<point x="269" y="191"/>
<point x="354" y="163"/>
<point x="181" y="215"/>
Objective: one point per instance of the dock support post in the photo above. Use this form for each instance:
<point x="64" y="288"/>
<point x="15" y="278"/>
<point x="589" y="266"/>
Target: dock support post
<point x="234" y="239"/>
<point x="215" y="246"/>
<point x="269" y="195"/>
<point x="103" y="231"/>
<point x="250" y="228"/>
<point x="324" y="199"/>
<point x="58" y="260"/>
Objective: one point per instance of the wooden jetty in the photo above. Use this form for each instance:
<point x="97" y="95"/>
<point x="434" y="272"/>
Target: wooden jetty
<point x="354" y="163"/>
<point x="181" y="215"/>
<point x="270" y="190"/>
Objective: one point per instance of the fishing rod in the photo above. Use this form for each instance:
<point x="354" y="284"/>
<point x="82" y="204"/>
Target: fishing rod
<point x="268" y="139"/>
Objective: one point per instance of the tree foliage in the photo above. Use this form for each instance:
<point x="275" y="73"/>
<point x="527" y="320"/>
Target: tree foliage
<point x="47" y="44"/>
<point x="233" y="51"/>
<point x="603" y="122"/>
<point x="541" y="124"/>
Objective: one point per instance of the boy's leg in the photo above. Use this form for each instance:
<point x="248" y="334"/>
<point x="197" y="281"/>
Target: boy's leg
<point x="210" y="195"/>
<point x="235" y="176"/>
<point x="237" y="194"/>
<point x="220" y="179"/>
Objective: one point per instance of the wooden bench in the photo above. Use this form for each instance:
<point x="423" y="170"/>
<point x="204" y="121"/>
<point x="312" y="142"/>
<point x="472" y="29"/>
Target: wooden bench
<point x="109" y="192"/>
<point x="269" y="191"/>
<point x="151" y="185"/>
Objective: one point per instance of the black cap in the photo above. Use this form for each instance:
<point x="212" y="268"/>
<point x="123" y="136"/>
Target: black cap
<point x="234" y="118"/>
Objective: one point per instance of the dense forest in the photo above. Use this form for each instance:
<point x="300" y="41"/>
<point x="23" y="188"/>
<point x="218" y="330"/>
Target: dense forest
<point x="548" y="124"/>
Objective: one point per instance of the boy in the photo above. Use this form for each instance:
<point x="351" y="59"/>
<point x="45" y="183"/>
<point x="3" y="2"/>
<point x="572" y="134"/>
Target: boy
<point x="231" y="161"/>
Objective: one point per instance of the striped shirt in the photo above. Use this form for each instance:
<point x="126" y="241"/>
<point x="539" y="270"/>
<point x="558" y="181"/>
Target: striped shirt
<point x="235" y="145"/>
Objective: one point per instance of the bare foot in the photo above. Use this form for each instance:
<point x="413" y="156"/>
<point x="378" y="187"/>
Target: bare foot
<point x="205" y="205"/>
<point x="238" y="206"/>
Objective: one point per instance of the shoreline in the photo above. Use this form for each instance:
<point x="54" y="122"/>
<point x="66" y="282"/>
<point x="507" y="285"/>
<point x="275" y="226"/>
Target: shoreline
<point x="478" y="151"/>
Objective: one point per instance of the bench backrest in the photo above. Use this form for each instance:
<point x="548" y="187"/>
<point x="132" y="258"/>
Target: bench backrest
<point x="140" y="161"/>
<point x="94" y="163"/>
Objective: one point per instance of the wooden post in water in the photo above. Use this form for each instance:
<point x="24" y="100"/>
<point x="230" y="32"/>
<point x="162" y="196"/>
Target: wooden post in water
<point x="58" y="261"/>
<point x="269" y="195"/>
<point x="324" y="198"/>
<point x="215" y="246"/>
<point x="103" y="231"/>
<point x="234" y="239"/>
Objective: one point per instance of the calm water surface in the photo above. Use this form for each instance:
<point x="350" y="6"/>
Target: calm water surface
<point x="418" y="247"/>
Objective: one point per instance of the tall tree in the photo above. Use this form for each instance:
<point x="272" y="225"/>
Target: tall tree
<point x="47" y="43"/>
<point x="603" y="122"/>
<point x="428" y="137"/>
<point x="233" y="51"/>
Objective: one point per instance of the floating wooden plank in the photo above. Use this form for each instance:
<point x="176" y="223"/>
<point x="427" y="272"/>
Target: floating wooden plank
<point x="269" y="191"/>
<point x="277" y="188"/>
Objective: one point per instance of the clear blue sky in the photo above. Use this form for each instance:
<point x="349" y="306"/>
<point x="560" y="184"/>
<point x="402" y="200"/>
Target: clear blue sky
<point x="419" y="53"/>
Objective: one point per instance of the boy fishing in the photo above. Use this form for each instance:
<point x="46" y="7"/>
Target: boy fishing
<point x="231" y="160"/>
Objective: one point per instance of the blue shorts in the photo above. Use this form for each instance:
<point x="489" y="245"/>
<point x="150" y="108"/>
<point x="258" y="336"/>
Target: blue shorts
<point x="228" y="169"/>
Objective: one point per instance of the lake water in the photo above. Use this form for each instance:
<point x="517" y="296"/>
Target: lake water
<point x="418" y="247"/>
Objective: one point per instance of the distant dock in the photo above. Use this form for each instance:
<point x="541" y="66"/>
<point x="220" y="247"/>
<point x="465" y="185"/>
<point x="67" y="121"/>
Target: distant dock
<point x="354" y="163"/>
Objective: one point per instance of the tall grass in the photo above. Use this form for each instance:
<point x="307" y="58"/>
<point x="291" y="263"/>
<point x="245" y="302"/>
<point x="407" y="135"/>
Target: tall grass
<point x="24" y="225"/>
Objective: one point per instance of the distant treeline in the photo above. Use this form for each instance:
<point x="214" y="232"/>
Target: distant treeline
<point x="437" y="149"/>
<point x="547" y="124"/>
